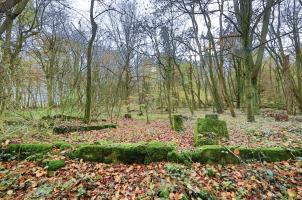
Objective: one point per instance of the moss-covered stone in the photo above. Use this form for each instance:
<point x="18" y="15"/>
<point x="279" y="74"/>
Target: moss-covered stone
<point x="207" y="138"/>
<point x="209" y="131"/>
<point x="226" y="155"/>
<point x="213" y="154"/>
<point x="62" y="145"/>
<point x="177" y="123"/>
<point x="124" y="152"/>
<point x="128" y="153"/>
<point x="111" y="153"/>
<point x="157" y="151"/>
<point x="22" y="151"/>
<point x="68" y="129"/>
<point x="184" y="157"/>
<point x="54" y="165"/>
<point x="222" y="155"/>
<point x="211" y="116"/>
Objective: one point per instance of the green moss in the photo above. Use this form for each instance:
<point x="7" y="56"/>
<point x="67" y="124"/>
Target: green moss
<point x="62" y="145"/>
<point x="178" y="123"/>
<point x="112" y="153"/>
<point x="222" y="155"/>
<point x="184" y="157"/>
<point x="124" y="152"/>
<point x="207" y="138"/>
<point x="54" y="165"/>
<point x="265" y="154"/>
<point x="212" y="125"/>
<point x="23" y="151"/>
<point x="157" y="151"/>
<point x="209" y="131"/>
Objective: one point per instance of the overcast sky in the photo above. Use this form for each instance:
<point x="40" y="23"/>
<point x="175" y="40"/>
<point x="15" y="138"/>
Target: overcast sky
<point x="83" y="6"/>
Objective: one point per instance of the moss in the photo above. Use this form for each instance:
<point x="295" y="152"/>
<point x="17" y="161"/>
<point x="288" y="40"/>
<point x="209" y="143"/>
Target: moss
<point x="207" y="138"/>
<point x="23" y="151"/>
<point x="211" y="125"/>
<point x="124" y="152"/>
<point x="54" y="165"/>
<point x="265" y="154"/>
<point x="129" y="153"/>
<point x="62" y="145"/>
<point x="158" y="151"/>
<point x="178" y="123"/>
<point x="68" y="129"/>
<point x="211" y="116"/>
<point x="213" y="154"/>
<point x="112" y="153"/>
<point x="184" y="157"/>
<point x="219" y="154"/>
<point x="209" y="131"/>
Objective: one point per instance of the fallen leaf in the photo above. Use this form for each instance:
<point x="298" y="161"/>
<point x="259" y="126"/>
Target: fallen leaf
<point x="236" y="152"/>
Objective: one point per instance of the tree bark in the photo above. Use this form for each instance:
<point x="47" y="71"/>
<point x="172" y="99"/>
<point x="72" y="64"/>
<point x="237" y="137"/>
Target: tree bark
<point x="94" y="27"/>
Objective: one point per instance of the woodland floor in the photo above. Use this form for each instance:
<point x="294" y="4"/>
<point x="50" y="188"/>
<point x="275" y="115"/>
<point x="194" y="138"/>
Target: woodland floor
<point x="28" y="180"/>
<point x="265" y="132"/>
<point x="84" y="180"/>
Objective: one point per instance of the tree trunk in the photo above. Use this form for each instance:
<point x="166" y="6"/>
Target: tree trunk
<point x="94" y="27"/>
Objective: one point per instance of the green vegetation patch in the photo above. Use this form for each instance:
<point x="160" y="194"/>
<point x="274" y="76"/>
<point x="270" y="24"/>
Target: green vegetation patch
<point x="124" y="152"/>
<point x="68" y="129"/>
<point x="184" y="157"/>
<point x="178" y="123"/>
<point x="128" y="153"/>
<point x="54" y="165"/>
<point x="209" y="131"/>
<point x="230" y="155"/>
<point x="62" y="145"/>
<point x="23" y="151"/>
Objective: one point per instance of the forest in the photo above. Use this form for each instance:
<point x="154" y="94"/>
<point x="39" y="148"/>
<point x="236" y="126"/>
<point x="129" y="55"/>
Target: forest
<point x="151" y="99"/>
